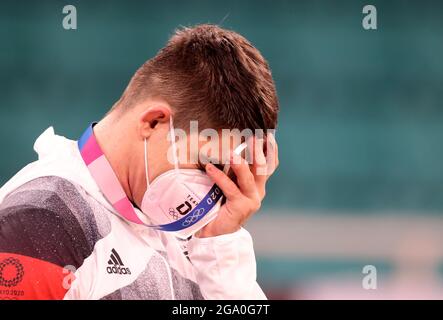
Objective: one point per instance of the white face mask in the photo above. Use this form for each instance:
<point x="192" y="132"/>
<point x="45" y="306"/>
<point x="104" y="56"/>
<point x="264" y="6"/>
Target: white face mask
<point x="180" y="200"/>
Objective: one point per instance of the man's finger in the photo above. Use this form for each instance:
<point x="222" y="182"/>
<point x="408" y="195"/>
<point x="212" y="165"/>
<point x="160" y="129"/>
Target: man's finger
<point x="259" y="165"/>
<point x="245" y="178"/>
<point x="271" y="154"/>
<point x="229" y="188"/>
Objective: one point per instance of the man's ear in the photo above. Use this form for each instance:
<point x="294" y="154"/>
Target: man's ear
<point x="152" y="117"/>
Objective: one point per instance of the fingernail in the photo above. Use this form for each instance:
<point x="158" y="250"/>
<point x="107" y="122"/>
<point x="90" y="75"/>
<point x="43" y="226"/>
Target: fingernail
<point x="209" y="167"/>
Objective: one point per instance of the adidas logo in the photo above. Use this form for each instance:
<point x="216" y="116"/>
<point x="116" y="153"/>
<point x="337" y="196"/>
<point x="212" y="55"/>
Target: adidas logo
<point x="116" y="264"/>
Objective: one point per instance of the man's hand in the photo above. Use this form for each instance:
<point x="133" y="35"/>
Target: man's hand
<point x="244" y="198"/>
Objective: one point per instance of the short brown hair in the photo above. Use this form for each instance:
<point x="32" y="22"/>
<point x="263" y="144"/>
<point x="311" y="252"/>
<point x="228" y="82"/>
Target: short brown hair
<point x="212" y="75"/>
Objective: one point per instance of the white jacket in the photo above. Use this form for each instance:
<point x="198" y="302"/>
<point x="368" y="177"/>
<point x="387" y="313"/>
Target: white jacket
<point x="222" y="267"/>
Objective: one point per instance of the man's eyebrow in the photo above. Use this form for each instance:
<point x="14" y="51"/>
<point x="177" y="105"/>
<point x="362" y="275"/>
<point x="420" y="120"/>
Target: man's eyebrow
<point x="200" y="165"/>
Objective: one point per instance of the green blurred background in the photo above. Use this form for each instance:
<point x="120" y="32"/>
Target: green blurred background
<point x="361" y="125"/>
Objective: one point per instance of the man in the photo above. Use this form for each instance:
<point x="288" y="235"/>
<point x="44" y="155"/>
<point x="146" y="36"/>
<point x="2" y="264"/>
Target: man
<point x="74" y="224"/>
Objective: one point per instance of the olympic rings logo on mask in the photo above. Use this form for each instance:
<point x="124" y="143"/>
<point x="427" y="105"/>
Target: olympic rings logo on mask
<point x="193" y="217"/>
<point x="173" y="213"/>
